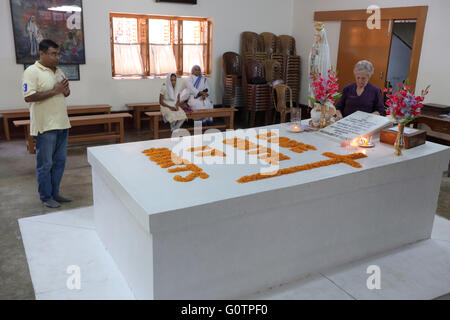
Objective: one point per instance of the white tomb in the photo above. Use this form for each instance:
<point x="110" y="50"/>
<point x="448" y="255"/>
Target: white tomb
<point x="218" y="239"/>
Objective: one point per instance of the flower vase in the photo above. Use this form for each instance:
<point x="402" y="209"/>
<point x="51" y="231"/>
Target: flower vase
<point x="323" y="116"/>
<point x="400" y="141"/>
<point x="315" y="115"/>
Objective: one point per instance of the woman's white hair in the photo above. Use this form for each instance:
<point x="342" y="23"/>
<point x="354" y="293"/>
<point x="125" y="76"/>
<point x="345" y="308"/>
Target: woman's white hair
<point x="364" y="66"/>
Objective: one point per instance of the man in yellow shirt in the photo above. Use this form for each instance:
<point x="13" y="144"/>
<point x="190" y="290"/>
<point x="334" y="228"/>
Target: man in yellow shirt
<point x="45" y="88"/>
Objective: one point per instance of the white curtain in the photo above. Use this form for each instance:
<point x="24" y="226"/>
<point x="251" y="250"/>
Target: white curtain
<point x="162" y="59"/>
<point x="192" y="55"/>
<point x="128" y="60"/>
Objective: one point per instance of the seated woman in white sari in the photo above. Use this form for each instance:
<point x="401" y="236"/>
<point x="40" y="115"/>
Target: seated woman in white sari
<point x="171" y="99"/>
<point x="199" y="91"/>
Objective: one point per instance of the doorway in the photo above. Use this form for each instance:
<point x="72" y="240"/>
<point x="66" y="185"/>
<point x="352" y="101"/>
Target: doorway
<point x="357" y="43"/>
<point x="401" y="50"/>
<point x="394" y="49"/>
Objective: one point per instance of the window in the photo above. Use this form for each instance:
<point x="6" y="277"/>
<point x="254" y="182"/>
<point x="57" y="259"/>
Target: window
<point x="152" y="46"/>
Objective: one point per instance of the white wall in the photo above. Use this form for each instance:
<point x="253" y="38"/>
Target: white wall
<point x="231" y="17"/>
<point x="434" y="65"/>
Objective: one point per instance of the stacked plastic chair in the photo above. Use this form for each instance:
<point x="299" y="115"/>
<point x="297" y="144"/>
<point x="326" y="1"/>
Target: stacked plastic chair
<point x="271" y="43"/>
<point x="251" y="43"/>
<point x="252" y="47"/>
<point x="258" y="56"/>
<point x="232" y="77"/>
<point x="273" y="70"/>
<point x="281" y="58"/>
<point x="292" y="76"/>
<point x="276" y="58"/>
<point x="287" y="45"/>
<point x="292" y="65"/>
<point x="257" y="96"/>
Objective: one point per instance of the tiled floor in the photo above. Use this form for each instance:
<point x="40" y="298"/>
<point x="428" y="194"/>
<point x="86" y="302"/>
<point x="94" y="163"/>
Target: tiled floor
<point x="56" y="241"/>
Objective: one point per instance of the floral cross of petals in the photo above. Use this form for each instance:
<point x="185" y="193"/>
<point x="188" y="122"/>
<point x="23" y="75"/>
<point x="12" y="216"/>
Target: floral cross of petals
<point x="335" y="159"/>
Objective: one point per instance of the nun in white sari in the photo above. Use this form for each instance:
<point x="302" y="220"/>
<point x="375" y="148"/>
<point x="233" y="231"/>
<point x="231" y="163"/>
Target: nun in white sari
<point x="171" y="98"/>
<point x="199" y="91"/>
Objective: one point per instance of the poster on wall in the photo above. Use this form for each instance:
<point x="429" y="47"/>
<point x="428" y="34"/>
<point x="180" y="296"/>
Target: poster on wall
<point x="71" y="71"/>
<point x="58" y="20"/>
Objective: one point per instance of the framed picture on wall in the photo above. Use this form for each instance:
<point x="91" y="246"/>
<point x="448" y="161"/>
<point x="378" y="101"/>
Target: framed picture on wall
<point x="71" y="71"/>
<point x="58" y="20"/>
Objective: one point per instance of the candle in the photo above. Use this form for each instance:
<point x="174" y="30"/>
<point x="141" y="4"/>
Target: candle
<point x="354" y="143"/>
<point x="364" y="142"/>
<point x="296" y="127"/>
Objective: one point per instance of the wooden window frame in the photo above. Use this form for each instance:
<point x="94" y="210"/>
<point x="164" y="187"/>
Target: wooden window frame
<point x="143" y="38"/>
<point x="418" y="13"/>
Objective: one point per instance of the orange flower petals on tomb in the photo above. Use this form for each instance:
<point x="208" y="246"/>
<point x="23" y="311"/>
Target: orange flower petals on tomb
<point x="199" y="149"/>
<point x="266" y="136"/>
<point x="270" y="160"/>
<point x="191" y="177"/>
<point x="274" y="140"/>
<point x="272" y="157"/>
<point x="260" y="150"/>
<point x="295" y="146"/>
<point x="240" y="144"/>
<point x="347" y="159"/>
<point x="335" y="159"/>
<point x="211" y="153"/>
<point x="165" y="158"/>
<point x="189" y="167"/>
<point x="267" y="154"/>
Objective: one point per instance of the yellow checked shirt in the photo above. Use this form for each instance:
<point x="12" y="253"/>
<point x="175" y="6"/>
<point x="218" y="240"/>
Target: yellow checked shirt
<point x="49" y="114"/>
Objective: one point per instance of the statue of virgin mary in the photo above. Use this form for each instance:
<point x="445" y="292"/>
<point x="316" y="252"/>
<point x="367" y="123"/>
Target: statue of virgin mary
<point x="319" y="58"/>
<point x="320" y="62"/>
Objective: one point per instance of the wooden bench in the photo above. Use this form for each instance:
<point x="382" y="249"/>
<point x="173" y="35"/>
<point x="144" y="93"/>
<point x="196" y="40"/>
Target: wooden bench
<point x="435" y="109"/>
<point x="106" y="119"/>
<point x="436" y="123"/>
<point x="226" y="113"/>
<point x="440" y="128"/>
<point x="139" y="108"/>
<point x="71" y="110"/>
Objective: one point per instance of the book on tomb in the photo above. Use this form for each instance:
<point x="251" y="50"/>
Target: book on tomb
<point x="359" y="124"/>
